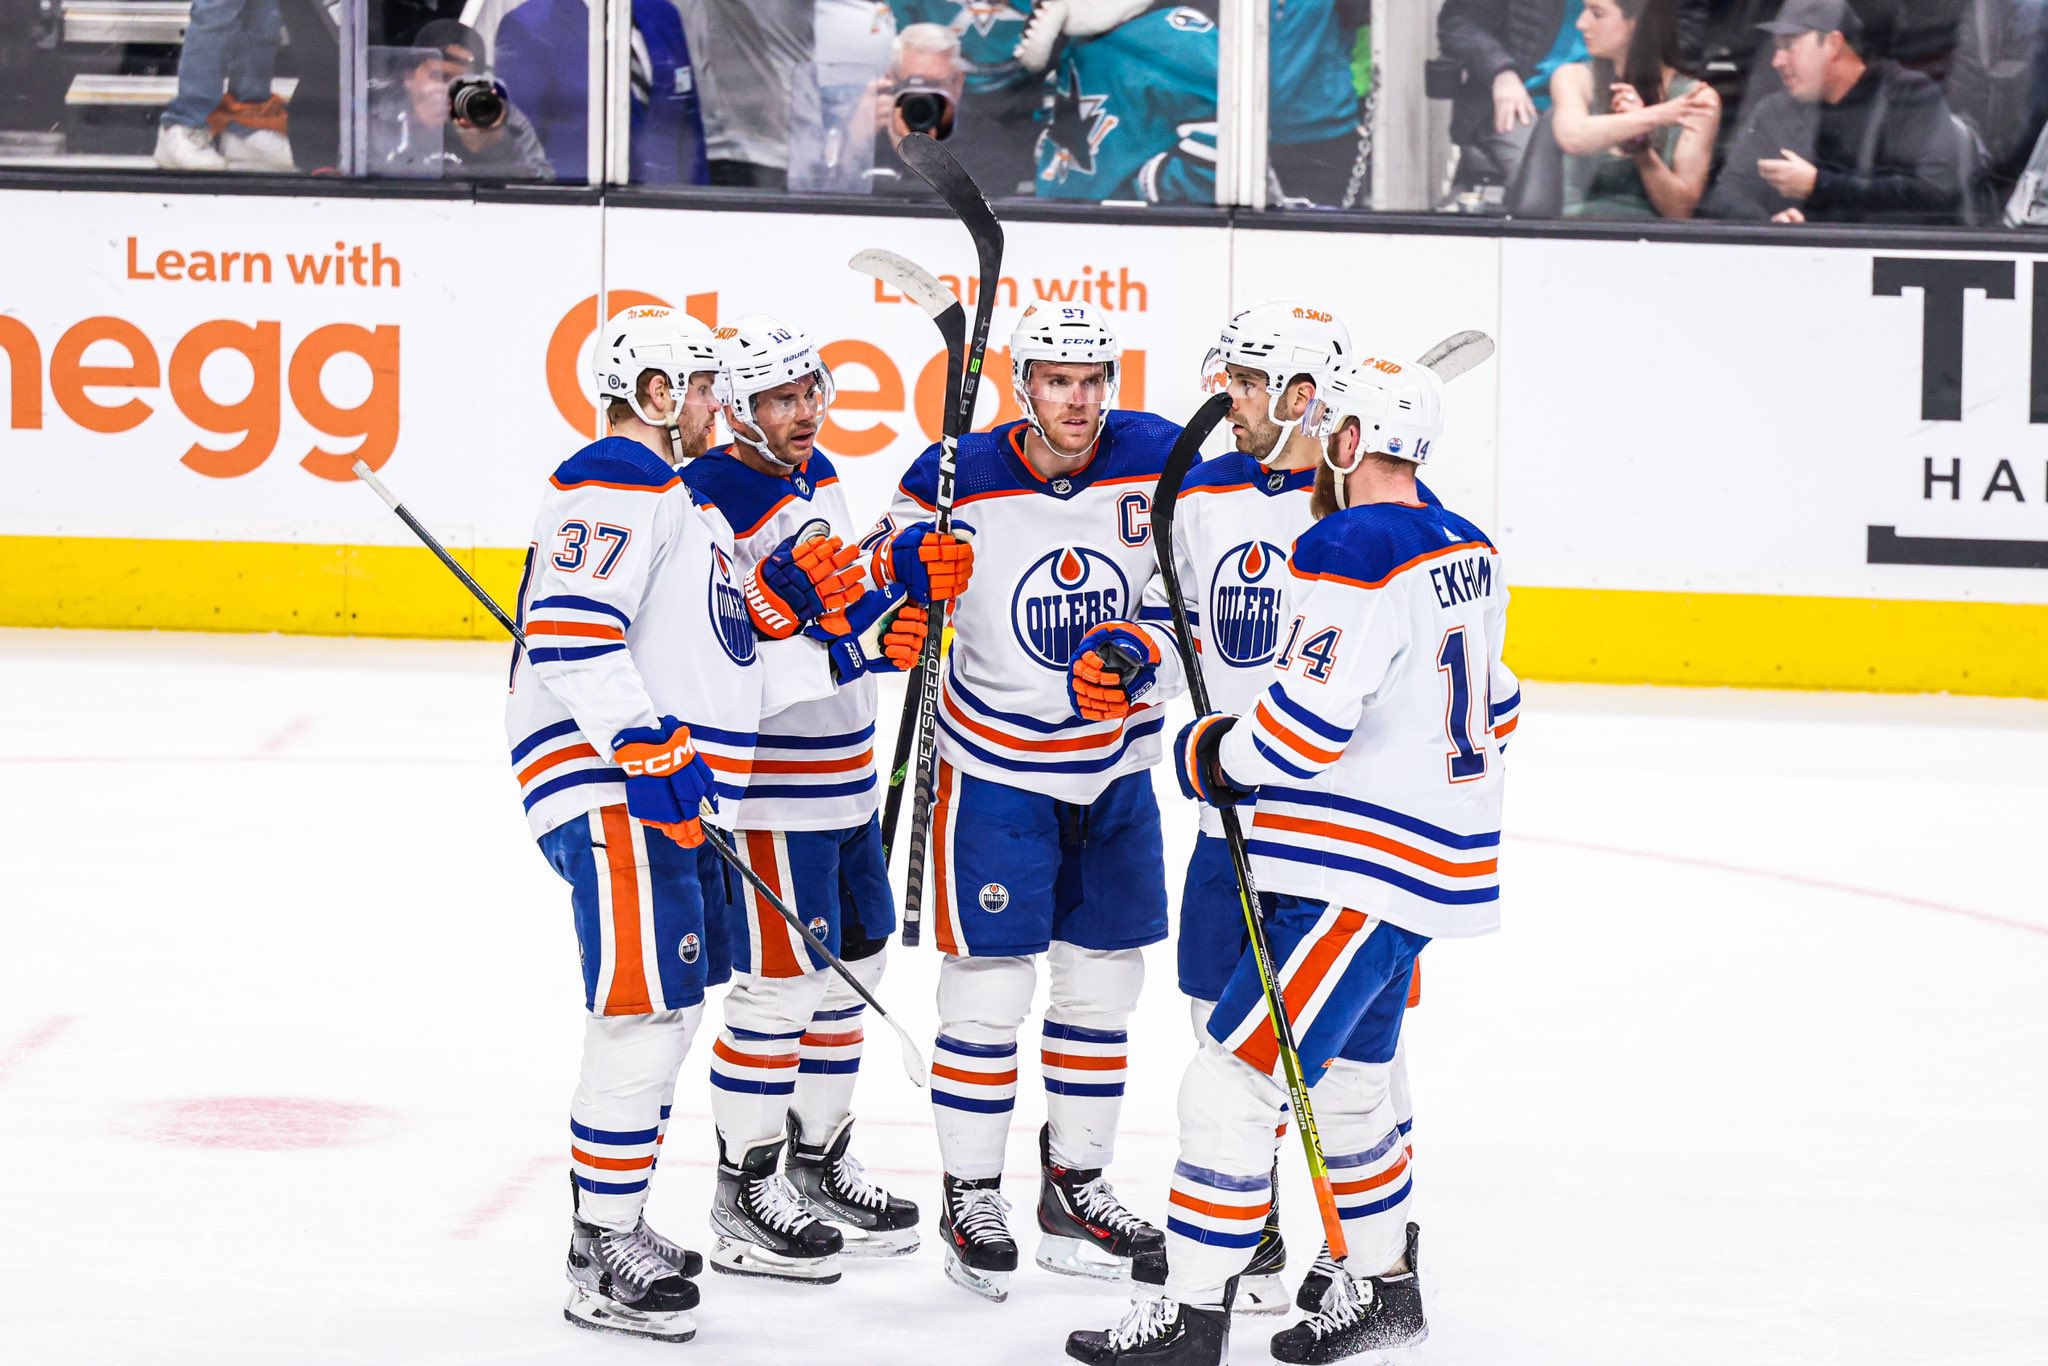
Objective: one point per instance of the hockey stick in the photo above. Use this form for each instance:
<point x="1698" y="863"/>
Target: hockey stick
<point x="913" y="1058"/>
<point x="918" y="285"/>
<point x="936" y="166"/>
<point x="1186" y="449"/>
<point x="1457" y="353"/>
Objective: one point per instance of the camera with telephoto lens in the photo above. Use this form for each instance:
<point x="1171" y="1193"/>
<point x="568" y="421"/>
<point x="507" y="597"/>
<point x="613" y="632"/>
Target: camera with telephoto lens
<point x="478" y="101"/>
<point x="925" y="106"/>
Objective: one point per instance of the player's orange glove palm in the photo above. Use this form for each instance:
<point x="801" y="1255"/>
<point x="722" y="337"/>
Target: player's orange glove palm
<point x="904" y="641"/>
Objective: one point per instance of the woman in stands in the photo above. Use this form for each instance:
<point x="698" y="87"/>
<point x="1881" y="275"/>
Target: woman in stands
<point x="1646" y="151"/>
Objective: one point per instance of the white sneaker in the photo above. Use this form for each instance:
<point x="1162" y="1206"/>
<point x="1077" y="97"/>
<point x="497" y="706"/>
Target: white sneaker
<point x="180" y="147"/>
<point x="259" y="149"/>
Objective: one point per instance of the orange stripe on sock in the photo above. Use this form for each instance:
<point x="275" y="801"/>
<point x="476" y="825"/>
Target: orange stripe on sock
<point x="1216" y="1210"/>
<point x="1082" y="1062"/>
<point x="739" y="1059"/>
<point x="832" y="1040"/>
<point x="612" y="1164"/>
<point x="1371" y="1183"/>
<point x="961" y="1074"/>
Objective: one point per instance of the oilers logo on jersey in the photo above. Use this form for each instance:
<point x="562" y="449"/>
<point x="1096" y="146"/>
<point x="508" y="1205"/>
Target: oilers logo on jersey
<point x="729" y="611"/>
<point x="1061" y="597"/>
<point x="1245" y="594"/>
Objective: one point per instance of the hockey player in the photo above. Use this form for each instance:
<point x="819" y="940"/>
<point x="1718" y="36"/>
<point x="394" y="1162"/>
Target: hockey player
<point x="1233" y="532"/>
<point x="1131" y="112"/>
<point x="1045" y="835"/>
<point x="635" y="617"/>
<point x="1374" y="754"/>
<point x="784" y="1066"/>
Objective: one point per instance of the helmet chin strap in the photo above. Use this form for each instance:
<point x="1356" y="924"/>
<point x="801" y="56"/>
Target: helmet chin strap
<point x="1342" y="483"/>
<point x="1286" y="425"/>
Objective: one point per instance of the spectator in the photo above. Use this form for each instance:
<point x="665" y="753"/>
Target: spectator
<point x="1647" y="154"/>
<point x="752" y="49"/>
<point x="1312" y="118"/>
<point x="231" y="45"/>
<point x="925" y="86"/>
<point x="1004" y="92"/>
<point x="1879" y="142"/>
<point x="415" y="133"/>
<point x="1508" y="50"/>
<point x="1998" y="79"/>
<point x="542" y="58"/>
<point x="1131" y="111"/>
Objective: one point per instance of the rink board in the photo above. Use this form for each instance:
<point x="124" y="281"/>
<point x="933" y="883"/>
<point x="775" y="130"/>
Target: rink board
<point x="1748" y="465"/>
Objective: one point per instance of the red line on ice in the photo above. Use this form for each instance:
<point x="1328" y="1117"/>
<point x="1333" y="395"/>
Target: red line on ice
<point x="38" y="1039"/>
<point x="521" y="1181"/>
<point x="290" y="732"/>
<point x="1798" y="879"/>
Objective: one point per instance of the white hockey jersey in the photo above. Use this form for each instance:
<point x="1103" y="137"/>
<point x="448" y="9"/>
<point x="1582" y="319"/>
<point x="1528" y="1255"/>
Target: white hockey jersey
<point x="1052" y="559"/>
<point x="814" y="765"/>
<point x="1376" y="743"/>
<point x="633" y="610"/>
<point x="1234" y="527"/>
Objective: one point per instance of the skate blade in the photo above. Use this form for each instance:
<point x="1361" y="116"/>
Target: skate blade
<point x="1077" y="1257"/>
<point x="745" y="1259"/>
<point x="586" y="1310"/>
<point x="993" y="1286"/>
<point x="868" y="1245"/>
<point x="1261" y="1295"/>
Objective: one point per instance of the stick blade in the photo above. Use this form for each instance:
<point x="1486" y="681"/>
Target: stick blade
<point x="907" y="277"/>
<point x="1457" y="353"/>
<point x="914" y="1065"/>
<point x="939" y="169"/>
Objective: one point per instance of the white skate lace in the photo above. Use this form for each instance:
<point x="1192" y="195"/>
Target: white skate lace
<point x="1343" y="1306"/>
<point x="1326" y="1265"/>
<point x="631" y="1260"/>
<point x="1099" y="1202"/>
<point x="978" y="1212"/>
<point x="851" y="1180"/>
<point x="1148" y="1319"/>
<point x="778" y="1204"/>
<point x="664" y="1248"/>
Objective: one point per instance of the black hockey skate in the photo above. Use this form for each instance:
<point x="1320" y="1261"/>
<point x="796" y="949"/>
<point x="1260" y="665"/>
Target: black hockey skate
<point x="1373" y="1315"/>
<point x="1259" y="1288"/>
<point x="1159" y="1332"/>
<point x="689" y="1264"/>
<point x="872" y="1222"/>
<point x="1315" y="1286"/>
<point x="980" y="1253"/>
<point x="617" y="1284"/>
<point x="764" y="1227"/>
<point x="1087" y="1230"/>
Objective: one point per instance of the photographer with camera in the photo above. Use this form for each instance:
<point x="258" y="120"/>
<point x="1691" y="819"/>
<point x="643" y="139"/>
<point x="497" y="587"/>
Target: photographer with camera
<point x="445" y="117"/>
<point x="920" y="94"/>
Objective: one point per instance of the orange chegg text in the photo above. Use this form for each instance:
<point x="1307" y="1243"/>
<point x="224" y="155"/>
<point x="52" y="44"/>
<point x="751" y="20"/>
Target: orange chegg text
<point x="253" y="420"/>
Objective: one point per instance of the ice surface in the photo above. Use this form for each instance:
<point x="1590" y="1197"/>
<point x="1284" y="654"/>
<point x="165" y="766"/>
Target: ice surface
<point x="1757" y="1073"/>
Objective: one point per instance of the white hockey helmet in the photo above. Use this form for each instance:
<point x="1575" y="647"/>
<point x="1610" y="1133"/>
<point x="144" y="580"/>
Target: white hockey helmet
<point x="649" y="337"/>
<point x="1062" y="333"/>
<point x="758" y="352"/>
<point x="1399" y="406"/>
<point x="1281" y="338"/>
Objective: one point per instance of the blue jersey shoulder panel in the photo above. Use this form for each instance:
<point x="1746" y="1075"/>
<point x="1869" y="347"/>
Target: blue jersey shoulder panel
<point x="745" y="495"/>
<point x="616" y="462"/>
<point x="1371" y="543"/>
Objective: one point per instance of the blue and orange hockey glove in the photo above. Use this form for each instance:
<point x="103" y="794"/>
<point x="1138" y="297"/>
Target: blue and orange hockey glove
<point x="1114" y="666"/>
<point x="932" y="566"/>
<point x="667" y="781"/>
<point x="882" y="633"/>
<point x="796" y="584"/>
<point x="1198" y="763"/>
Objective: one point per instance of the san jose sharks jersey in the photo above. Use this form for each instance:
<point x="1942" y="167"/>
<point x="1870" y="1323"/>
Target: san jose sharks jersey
<point x="1376" y="742"/>
<point x="1312" y="96"/>
<point x="814" y="766"/>
<point x="1052" y="559"/>
<point x="632" y="609"/>
<point x="988" y="30"/>
<point x="1132" y="113"/>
